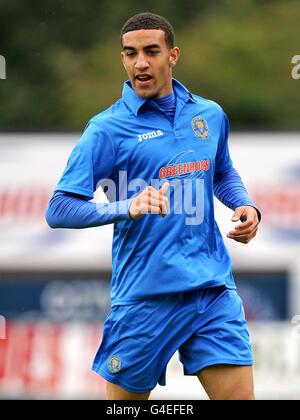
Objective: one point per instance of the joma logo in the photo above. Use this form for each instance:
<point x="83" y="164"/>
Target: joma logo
<point x="151" y="135"/>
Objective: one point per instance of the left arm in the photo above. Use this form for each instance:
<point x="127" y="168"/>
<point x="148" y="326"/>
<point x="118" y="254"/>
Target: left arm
<point x="230" y="190"/>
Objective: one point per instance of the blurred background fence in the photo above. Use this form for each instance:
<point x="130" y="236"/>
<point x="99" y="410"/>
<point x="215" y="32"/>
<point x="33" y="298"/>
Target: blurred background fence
<point x="61" y="67"/>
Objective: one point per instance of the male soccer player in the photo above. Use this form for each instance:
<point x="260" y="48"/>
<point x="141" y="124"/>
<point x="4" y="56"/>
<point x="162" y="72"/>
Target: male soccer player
<point x="161" y="154"/>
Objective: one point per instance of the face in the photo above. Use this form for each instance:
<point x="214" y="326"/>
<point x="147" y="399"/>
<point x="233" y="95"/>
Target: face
<point x="149" y="62"/>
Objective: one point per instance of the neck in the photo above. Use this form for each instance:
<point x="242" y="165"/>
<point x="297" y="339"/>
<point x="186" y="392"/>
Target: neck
<point x="167" y="104"/>
<point x="167" y="90"/>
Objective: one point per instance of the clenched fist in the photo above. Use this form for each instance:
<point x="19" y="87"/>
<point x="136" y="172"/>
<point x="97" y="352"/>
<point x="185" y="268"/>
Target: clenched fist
<point x="148" y="201"/>
<point x="246" y="230"/>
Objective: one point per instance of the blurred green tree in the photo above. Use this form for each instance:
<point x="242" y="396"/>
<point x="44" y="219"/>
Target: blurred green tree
<point x="63" y="62"/>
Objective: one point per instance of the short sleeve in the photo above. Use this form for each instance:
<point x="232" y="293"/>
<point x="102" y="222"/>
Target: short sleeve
<point x="91" y="161"/>
<point x="223" y="160"/>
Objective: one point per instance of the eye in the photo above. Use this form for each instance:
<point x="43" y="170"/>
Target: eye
<point x="130" y="54"/>
<point x="153" y="52"/>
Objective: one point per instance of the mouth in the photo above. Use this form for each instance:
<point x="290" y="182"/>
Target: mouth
<point x="143" y="79"/>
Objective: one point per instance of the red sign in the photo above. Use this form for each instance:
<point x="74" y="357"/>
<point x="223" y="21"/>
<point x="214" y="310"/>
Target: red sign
<point x="47" y="360"/>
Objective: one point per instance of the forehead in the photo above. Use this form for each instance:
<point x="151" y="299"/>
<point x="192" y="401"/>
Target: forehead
<point x="143" y="37"/>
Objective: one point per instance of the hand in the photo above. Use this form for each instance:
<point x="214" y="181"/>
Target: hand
<point x="245" y="231"/>
<point x="150" y="201"/>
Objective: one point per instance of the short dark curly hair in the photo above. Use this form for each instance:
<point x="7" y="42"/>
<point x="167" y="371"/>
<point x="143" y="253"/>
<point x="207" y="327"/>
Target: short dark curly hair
<point x="149" y="20"/>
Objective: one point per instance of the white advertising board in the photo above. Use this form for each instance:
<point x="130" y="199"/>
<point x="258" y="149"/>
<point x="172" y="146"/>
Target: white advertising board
<point x="31" y="165"/>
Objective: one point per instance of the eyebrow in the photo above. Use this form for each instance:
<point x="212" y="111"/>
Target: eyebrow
<point x="147" y="47"/>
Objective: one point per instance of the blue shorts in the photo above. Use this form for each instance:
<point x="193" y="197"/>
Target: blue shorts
<point x="206" y="326"/>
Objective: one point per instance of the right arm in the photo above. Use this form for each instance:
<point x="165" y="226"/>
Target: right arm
<point x="93" y="160"/>
<point x="72" y="211"/>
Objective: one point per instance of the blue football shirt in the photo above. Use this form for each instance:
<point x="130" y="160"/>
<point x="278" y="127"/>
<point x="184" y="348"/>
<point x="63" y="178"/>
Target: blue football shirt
<point x="134" y="144"/>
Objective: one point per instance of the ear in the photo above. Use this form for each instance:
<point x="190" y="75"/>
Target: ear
<point x="174" y="56"/>
<point x="123" y="59"/>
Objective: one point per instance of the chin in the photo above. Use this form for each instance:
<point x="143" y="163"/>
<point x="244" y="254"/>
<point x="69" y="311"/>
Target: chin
<point x="145" y="95"/>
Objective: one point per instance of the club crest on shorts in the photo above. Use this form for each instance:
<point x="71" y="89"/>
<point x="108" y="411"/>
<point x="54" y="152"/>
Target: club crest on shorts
<point x="114" y="364"/>
<point x="200" y="127"/>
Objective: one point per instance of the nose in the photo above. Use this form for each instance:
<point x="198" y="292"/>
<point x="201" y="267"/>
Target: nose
<point x="141" y="62"/>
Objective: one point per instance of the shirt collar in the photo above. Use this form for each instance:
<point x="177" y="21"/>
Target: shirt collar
<point x="135" y="102"/>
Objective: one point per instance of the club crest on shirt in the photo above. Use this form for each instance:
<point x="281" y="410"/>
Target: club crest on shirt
<point x="114" y="364"/>
<point x="200" y="127"/>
